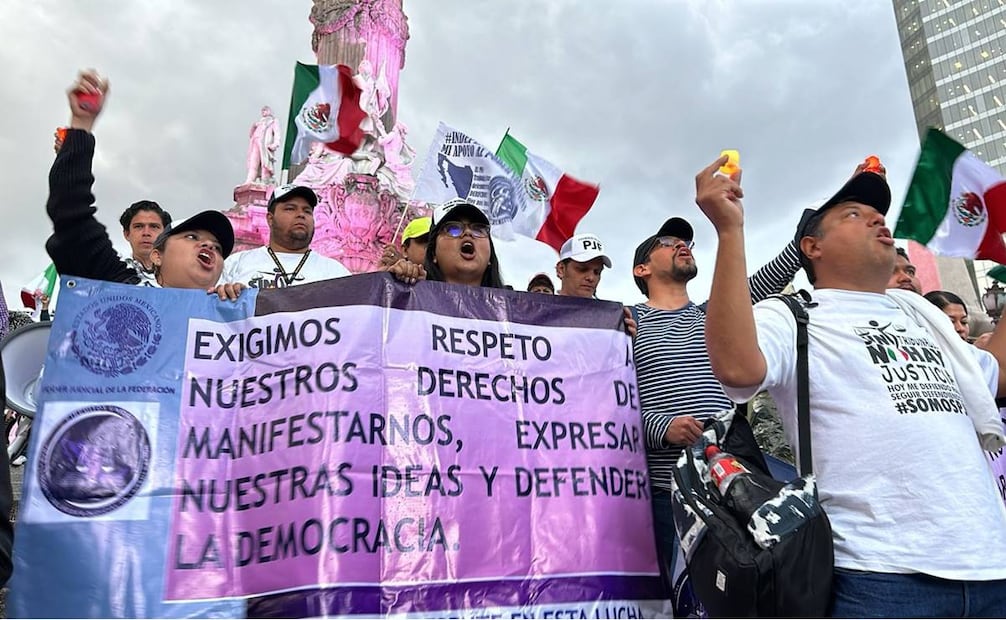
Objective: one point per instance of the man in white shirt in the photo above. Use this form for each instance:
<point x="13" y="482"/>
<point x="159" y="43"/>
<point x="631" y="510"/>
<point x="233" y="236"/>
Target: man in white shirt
<point x="899" y="408"/>
<point x="288" y="259"/>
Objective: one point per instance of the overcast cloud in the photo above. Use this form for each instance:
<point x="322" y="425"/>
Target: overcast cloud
<point x="636" y="95"/>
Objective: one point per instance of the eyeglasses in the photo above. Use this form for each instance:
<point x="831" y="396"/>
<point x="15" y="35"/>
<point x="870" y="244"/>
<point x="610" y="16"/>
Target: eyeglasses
<point x="673" y="242"/>
<point x="456" y="229"/>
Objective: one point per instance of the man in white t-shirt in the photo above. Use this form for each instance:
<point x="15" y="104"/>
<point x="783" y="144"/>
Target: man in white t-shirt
<point x="288" y="259"/>
<point x="919" y="528"/>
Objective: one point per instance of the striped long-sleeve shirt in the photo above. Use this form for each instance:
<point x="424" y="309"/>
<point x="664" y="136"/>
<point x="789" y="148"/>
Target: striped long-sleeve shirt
<point x="673" y="371"/>
<point x="3" y="315"/>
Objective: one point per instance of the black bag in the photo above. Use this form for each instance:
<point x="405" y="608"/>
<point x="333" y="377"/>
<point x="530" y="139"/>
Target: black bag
<point x="729" y="571"/>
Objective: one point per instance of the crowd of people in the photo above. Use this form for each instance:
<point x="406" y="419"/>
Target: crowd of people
<point x="919" y="523"/>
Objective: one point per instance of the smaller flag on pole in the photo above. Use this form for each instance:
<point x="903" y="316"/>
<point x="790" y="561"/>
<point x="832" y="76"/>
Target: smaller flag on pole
<point x="956" y="203"/>
<point x="558" y="200"/>
<point x="324" y="107"/>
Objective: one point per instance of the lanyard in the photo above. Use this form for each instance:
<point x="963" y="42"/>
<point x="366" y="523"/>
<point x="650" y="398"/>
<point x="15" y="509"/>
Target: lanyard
<point x="289" y="278"/>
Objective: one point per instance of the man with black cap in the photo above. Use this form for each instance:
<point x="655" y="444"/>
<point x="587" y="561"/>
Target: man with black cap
<point x="287" y="260"/>
<point x="677" y="389"/>
<point x="188" y="255"/>
<point x="900" y="408"/>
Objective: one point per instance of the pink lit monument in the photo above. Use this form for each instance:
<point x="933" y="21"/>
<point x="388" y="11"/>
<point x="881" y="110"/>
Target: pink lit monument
<point x="361" y="198"/>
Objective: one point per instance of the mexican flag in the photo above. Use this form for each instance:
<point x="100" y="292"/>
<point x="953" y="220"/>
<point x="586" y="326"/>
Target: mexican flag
<point x="956" y="203"/>
<point x="558" y="200"/>
<point x="324" y="107"/>
<point x="44" y="283"/>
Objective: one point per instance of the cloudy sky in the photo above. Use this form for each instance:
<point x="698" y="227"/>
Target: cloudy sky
<point x="635" y="95"/>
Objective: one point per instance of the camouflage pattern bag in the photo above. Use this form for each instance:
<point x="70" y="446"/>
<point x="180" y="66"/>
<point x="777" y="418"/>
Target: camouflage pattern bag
<point x="774" y="559"/>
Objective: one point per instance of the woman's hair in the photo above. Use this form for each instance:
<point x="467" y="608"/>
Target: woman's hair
<point x="491" y="278"/>
<point x="942" y="299"/>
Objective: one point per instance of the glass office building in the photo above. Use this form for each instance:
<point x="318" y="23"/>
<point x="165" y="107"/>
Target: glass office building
<point x="956" y="67"/>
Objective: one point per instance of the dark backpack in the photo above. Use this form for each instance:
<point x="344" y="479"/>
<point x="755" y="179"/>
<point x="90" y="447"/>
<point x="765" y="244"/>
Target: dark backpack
<point x="729" y="571"/>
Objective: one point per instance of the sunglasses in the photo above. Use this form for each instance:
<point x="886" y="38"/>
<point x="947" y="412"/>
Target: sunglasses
<point x="673" y="242"/>
<point x="456" y="229"/>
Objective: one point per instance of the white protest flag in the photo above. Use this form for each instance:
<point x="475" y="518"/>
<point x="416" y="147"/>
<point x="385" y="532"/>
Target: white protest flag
<point x="458" y="167"/>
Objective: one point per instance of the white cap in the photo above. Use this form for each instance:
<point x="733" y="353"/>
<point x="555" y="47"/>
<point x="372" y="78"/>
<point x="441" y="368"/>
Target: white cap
<point x="459" y="207"/>
<point x="584" y="248"/>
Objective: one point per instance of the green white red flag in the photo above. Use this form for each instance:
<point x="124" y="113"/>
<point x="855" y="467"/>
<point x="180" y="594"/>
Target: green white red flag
<point x="956" y="203"/>
<point x="324" y="107"/>
<point x="557" y="200"/>
<point x="43" y="283"/>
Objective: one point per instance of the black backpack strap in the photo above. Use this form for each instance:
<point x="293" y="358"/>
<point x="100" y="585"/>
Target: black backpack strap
<point x="799" y="309"/>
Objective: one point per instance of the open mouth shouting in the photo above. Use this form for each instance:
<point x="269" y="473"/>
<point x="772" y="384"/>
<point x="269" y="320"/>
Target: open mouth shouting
<point x="468" y="250"/>
<point x="206" y="258"/>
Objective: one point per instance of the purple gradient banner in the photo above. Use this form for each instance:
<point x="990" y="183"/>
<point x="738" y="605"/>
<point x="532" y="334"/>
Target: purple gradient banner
<point x="366" y="445"/>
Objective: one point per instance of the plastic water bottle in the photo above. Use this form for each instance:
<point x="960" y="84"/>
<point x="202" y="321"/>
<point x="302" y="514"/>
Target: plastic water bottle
<point x="723" y="468"/>
<point x="769" y="509"/>
<point x="742" y="493"/>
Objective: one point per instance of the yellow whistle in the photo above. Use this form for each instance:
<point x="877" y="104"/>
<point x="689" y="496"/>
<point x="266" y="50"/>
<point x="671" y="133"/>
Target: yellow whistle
<point x="733" y="162"/>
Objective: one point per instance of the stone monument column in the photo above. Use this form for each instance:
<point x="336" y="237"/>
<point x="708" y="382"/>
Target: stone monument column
<point x="349" y="31"/>
<point x="363" y="197"/>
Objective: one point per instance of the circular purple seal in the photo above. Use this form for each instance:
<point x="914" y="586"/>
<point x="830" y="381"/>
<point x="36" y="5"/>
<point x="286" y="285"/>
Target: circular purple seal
<point x="94" y="461"/>
<point x="116" y="335"/>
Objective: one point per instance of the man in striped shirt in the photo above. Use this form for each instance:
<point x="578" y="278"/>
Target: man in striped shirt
<point x="677" y="389"/>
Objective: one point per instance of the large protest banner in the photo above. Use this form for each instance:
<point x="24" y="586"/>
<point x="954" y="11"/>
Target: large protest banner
<point x="343" y="448"/>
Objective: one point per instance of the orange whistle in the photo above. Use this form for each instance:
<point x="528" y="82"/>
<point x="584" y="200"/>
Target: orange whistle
<point x="871" y="164"/>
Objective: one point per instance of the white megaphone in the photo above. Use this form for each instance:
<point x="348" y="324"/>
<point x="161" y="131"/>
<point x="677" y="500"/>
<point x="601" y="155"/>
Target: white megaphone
<point x="23" y="353"/>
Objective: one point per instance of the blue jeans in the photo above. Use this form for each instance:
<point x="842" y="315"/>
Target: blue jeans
<point x="667" y="538"/>
<point x="862" y="594"/>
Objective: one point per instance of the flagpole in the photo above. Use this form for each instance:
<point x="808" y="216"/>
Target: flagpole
<point x="398" y="228"/>
<point x="505" y="134"/>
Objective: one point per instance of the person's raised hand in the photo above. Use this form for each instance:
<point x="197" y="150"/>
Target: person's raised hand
<point x="86" y="97"/>
<point x="719" y="197"/>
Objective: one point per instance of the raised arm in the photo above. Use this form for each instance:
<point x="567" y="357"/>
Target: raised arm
<point x="79" y="244"/>
<point x="731" y="337"/>
<point x="774" y="275"/>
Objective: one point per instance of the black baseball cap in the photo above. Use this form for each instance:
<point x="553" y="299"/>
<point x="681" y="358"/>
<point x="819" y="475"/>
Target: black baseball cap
<point x="868" y="188"/>
<point x="674" y="227"/>
<point x="286" y="192"/>
<point x="212" y="221"/>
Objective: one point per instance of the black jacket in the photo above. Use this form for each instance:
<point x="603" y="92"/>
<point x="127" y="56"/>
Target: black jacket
<point x="80" y="245"/>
